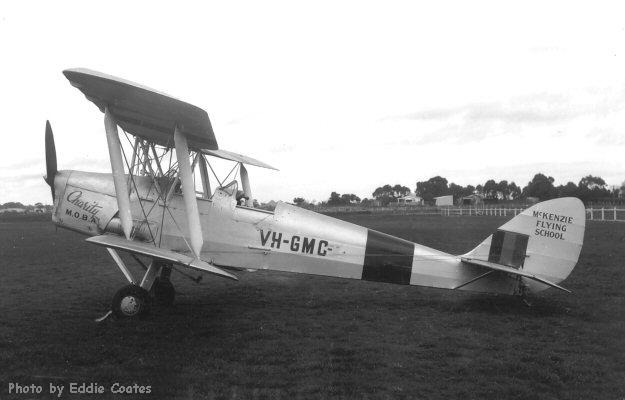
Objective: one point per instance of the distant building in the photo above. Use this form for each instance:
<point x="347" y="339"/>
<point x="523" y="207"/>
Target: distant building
<point x="410" y="199"/>
<point x="472" y="200"/>
<point x="444" y="200"/>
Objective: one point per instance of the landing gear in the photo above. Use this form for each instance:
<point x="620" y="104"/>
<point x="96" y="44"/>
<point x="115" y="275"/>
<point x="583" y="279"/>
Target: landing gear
<point x="134" y="301"/>
<point x="163" y="289"/>
<point x="131" y="302"/>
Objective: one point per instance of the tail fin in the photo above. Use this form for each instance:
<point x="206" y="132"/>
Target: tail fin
<point x="544" y="241"/>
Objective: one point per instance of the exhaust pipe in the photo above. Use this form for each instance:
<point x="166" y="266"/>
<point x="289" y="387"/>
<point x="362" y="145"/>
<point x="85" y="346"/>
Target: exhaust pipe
<point x="141" y="230"/>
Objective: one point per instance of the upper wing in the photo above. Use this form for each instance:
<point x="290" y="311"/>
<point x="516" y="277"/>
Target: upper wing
<point x="132" y="246"/>
<point x="145" y="112"/>
<point x="228" y="155"/>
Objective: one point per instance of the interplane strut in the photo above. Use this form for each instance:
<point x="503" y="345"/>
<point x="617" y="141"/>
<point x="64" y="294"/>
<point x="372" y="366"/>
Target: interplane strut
<point x="119" y="178"/>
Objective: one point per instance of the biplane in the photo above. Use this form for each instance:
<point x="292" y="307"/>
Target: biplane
<point x="164" y="203"/>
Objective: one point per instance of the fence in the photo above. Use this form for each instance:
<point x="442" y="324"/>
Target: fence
<point x="605" y="214"/>
<point x="592" y="214"/>
<point x="495" y="211"/>
<point x="415" y="210"/>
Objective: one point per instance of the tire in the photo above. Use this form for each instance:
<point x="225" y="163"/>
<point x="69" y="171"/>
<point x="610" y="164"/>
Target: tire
<point x="164" y="292"/>
<point x="131" y="302"/>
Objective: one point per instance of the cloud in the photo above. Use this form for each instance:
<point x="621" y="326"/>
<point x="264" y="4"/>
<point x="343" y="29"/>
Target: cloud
<point x="535" y="109"/>
<point x="606" y="137"/>
<point x="88" y="164"/>
<point x="22" y="178"/>
<point x="529" y="115"/>
<point x="550" y="49"/>
<point x="236" y="120"/>
<point x="23" y="164"/>
<point x="516" y="113"/>
<point x="283" y="148"/>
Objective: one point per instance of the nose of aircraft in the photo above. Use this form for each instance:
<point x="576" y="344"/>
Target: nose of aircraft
<point x="51" y="168"/>
<point x="60" y="182"/>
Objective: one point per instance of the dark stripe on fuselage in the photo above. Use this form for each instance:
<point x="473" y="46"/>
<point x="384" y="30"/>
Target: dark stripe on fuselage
<point x="387" y="259"/>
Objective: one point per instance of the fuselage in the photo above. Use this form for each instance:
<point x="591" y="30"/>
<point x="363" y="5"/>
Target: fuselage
<point x="288" y="239"/>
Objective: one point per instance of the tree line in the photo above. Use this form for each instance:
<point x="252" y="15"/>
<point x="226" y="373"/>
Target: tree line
<point x="589" y="189"/>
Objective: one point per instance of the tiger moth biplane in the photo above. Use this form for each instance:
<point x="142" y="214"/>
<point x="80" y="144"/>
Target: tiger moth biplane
<point x="150" y="206"/>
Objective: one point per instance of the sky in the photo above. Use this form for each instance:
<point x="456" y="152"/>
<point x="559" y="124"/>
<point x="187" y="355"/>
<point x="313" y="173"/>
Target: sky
<point x="339" y="96"/>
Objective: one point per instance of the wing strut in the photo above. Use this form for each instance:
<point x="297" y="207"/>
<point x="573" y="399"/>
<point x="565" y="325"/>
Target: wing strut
<point x="117" y="167"/>
<point x="245" y="181"/>
<point x="188" y="192"/>
<point x="206" y="185"/>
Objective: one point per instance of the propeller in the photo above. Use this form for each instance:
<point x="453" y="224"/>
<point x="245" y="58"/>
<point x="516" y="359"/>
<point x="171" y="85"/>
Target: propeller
<point x="50" y="158"/>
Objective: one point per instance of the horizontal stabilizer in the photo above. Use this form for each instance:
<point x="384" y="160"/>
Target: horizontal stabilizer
<point x="117" y="242"/>
<point x="509" y="270"/>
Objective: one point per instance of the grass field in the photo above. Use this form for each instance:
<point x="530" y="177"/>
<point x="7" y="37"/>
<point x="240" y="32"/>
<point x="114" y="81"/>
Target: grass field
<point x="278" y="335"/>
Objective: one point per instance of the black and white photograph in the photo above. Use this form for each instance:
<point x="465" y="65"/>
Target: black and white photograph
<point x="312" y="200"/>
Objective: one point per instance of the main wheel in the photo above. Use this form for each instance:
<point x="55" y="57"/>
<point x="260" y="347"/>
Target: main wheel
<point x="164" y="292"/>
<point x="131" y="302"/>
